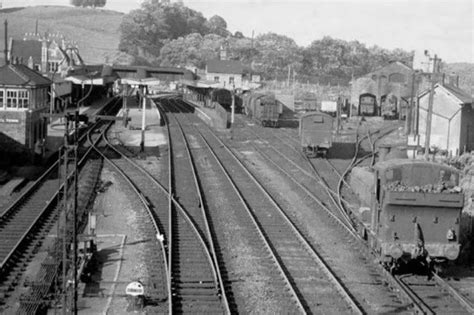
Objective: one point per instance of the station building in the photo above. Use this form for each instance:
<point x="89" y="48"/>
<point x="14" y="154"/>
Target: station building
<point x="23" y="98"/>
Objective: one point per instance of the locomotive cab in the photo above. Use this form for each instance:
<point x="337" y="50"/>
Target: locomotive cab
<point x="416" y="211"/>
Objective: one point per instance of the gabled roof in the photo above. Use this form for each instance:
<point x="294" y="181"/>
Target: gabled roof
<point x="16" y="74"/>
<point x="462" y="96"/>
<point x="225" y="66"/>
<point x="25" y="48"/>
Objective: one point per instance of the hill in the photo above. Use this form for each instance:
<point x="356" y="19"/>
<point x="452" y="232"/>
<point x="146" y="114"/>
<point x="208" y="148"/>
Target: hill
<point x="96" y="31"/>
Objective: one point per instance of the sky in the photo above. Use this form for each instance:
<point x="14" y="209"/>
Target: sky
<point x="443" y="27"/>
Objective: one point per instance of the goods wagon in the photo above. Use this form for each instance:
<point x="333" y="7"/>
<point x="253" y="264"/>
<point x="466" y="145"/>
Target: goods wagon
<point x="412" y="211"/>
<point x="316" y="133"/>
<point x="263" y="108"/>
<point x="367" y="105"/>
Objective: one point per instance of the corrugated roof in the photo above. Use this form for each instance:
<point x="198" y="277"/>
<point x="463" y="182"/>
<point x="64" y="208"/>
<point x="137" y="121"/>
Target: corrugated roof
<point x="16" y="74"/>
<point x="25" y="48"/>
<point x="225" y="66"/>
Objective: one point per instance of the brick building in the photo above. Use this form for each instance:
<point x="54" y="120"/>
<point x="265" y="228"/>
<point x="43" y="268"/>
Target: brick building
<point x="23" y="97"/>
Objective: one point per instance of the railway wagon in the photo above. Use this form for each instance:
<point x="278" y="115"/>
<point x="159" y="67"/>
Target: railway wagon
<point x="263" y="108"/>
<point x="367" y="105"/>
<point x="412" y="213"/>
<point x="316" y="133"/>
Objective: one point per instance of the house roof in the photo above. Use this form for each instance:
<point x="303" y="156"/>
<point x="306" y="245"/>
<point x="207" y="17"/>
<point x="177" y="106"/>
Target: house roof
<point x="25" y="48"/>
<point x="462" y="96"/>
<point x="225" y="66"/>
<point x="17" y="74"/>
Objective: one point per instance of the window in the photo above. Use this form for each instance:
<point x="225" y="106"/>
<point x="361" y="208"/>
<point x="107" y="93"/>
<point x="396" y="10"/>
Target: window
<point x="23" y="99"/>
<point x="231" y="80"/>
<point x="53" y="66"/>
<point x="216" y="79"/>
<point x="15" y="99"/>
<point x="2" y="103"/>
<point x="12" y="100"/>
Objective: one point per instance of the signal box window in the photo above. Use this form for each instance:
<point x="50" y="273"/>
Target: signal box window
<point x="17" y="99"/>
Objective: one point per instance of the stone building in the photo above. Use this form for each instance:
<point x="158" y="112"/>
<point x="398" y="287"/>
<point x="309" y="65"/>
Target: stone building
<point x="23" y="97"/>
<point x="392" y="82"/>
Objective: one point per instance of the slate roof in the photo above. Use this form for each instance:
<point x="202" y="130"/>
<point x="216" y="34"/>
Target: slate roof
<point x="16" y="74"/>
<point x="26" y="48"/>
<point x="461" y="95"/>
<point x="225" y="66"/>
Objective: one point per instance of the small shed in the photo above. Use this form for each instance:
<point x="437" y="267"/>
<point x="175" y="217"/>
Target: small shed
<point x="23" y="97"/>
<point x="452" y="122"/>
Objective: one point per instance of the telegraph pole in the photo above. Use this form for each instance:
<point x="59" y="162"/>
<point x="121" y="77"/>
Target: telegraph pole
<point x="430" y="108"/>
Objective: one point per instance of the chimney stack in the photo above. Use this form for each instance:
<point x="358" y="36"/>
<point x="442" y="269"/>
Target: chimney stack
<point x="6" y="42"/>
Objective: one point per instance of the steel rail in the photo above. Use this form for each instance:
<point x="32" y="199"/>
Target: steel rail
<point x="318" y="178"/>
<point x="159" y="234"/>
<point x="316" y="256"/>
<point x="49" y="203"/>
<point x="216" y="268"/>
<point x="455" y="294"/>
<point x="175" y="203"/>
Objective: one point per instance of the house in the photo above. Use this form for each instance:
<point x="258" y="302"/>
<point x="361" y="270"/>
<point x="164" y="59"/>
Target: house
<point x="452" y="122"/>
<point x="48" y="53"/>
<point x="53" y="56"/>
<point x="227" y="73"/>
<point x="24" y="96"/>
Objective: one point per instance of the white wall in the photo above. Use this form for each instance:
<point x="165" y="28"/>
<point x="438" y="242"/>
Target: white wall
<point x="445" y="107"/>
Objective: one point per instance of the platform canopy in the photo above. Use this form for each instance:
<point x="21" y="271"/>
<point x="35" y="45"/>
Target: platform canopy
<point x="83" y="79"/>
<point x="138" y="82"/>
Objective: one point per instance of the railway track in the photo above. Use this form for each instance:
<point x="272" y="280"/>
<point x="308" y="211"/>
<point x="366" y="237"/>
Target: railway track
<point x="193" y="285"/>
<point x="306" y="273"/>
<point x="25" y="223"/>
<point x="457" y="302"/>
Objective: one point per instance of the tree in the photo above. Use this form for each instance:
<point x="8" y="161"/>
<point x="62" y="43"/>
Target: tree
<point x="88" y="3"/>
<point x="217" y="25"/>
<point x="193" y="50"/>
<point x="145" y="31"/>
<point x="276" y="53"/>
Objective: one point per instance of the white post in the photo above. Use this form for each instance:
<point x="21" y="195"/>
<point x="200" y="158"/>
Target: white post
<point x="232" y="109"/>
<point x="142" y="143"/>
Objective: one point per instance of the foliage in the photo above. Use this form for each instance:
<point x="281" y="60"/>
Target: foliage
<point x="217" y="25"/>
<point x="88" y="3"/>
<point x="145" y="31"/>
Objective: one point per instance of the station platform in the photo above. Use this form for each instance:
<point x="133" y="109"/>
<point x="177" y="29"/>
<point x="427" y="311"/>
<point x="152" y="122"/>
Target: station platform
<point x="131" y="135"/>
<point x="56" y="128"/>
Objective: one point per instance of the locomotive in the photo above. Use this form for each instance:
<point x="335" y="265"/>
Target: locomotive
<point x="411" y="211"/>
<point x="262" y="107"/>
<point x="315" y="132"/>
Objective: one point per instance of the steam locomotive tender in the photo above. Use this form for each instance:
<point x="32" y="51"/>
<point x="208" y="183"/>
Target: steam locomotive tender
<point x="414" y="212"/>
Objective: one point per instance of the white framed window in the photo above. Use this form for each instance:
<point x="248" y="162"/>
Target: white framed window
<point x="231" y="80"/>
<point x="53" y="66"/>
<point x="216" y="79"/>
<point x="14" y="99"/>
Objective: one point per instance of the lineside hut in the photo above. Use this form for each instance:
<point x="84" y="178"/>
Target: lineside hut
<point x="452" y="122"/>
<point x="23" y="97"/>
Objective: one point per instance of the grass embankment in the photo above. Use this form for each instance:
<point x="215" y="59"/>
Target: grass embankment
<point x="96" y="31"/>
